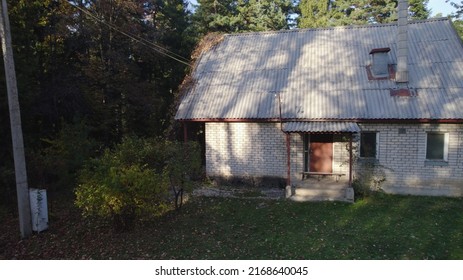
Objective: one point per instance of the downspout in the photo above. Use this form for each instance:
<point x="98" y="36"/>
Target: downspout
<point x="288" y="151"/>
<point x="279" y="111"/>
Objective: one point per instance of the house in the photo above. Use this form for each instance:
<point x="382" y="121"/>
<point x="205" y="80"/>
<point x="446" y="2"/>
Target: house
<point x="384" y="101"/>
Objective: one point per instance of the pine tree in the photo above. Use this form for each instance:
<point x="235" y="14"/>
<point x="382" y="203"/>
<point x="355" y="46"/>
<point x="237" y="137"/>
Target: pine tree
<point x="355" y="12"/>
<point x="241" y="15"/>
<point x="314" y="13"/>
<point x="214" y="15"/>
<point x="261" y="15"/>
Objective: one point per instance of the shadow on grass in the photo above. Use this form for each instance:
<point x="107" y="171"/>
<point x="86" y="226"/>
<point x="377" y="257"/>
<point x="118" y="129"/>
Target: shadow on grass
<point x="379" y="227"/>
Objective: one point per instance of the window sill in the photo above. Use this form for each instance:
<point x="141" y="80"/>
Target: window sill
<point x="430" y="162"/>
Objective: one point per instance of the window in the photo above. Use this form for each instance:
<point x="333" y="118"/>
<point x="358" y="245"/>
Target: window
<point x="437" y="145"/>
<point x="368" y="144"/>
<point x="379" y="68"/>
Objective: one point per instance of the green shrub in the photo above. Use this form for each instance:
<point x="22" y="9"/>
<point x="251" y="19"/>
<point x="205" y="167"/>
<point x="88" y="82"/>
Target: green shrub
<point x="361" y="189"/>
<point x="134" y="180"/>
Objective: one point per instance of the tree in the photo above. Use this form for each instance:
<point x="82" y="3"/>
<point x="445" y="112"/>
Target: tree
<point x="73" y="67"/>
<point x="458" y="24"/>
<point x="332" y="13"/>
<point x="458" y="6"/>
<point x="315" y="13"/>
<point x="259" y="15"/>
<point x="214" y="16"/>
<point x="241" y="15"/>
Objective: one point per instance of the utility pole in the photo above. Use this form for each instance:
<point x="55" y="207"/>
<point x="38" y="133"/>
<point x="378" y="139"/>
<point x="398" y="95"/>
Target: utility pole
<point x="22" y="189"/>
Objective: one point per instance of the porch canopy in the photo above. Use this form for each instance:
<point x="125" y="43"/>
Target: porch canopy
<point x="321" y="127"/>
<point x="328" y="127"/>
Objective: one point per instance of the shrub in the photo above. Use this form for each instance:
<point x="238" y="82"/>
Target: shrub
<point x="133" y="180"/>
<point x="361" y="189"/>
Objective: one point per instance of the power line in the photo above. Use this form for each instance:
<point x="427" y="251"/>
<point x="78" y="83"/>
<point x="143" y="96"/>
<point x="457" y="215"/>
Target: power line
<point x="145" y="42"/>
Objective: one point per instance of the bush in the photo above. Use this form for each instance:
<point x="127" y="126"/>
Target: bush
<point x="361" y="189"/>
<point x="133" y="180"/>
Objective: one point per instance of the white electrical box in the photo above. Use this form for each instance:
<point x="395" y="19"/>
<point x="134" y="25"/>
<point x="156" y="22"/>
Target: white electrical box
<point x="39" y="209"/>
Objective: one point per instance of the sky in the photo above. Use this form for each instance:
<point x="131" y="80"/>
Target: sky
<point x="436" y="6"/>
<point x="440" y="6"/>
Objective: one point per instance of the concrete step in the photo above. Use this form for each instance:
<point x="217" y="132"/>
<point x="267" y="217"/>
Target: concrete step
<point x="319" y="194"/>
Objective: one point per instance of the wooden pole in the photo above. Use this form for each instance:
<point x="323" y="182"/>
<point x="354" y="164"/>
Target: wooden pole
<point x="22" y="189"/>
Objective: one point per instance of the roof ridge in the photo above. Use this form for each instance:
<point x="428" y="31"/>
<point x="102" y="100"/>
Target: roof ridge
<point x="297" y="30"/>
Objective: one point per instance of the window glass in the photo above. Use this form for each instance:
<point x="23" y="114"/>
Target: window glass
<point x="435" y="146"/>
<point x="368" y="145"/>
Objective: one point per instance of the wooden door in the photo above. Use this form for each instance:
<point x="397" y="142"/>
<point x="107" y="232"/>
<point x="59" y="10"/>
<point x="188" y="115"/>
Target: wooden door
<point x="321" y="153"/>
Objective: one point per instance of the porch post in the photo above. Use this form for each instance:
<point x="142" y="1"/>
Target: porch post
<point x="288" y="151"/>
<point x="350" y="160"/>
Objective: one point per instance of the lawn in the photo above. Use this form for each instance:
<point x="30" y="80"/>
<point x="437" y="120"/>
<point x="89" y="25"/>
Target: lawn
<point x="379" y="227"/>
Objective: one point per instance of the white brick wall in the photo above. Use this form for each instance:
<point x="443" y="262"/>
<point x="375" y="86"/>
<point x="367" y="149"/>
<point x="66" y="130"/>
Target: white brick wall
<point x="245" y="150"/>
<point x="403" y="157"/>
<point x="259" y="150"/>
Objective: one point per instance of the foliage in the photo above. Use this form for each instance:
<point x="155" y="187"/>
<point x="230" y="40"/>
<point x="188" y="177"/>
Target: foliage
<point x="314" y="13"/>
<point x="241" y="15"/>
<point x="380" y="227"/>
<point x="333" y="13"/>
<point x="458" y="17"/>
<point x="132" y="181"/>
<point x="72" y="66"/>
<point x="458" y="6"/>
<point x="361" y="190"/>
<point x="56" y="165"/>
<point x="458" y="24"/>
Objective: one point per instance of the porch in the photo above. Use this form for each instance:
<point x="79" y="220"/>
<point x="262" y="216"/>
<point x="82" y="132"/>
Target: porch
<point x="323" y="169"/>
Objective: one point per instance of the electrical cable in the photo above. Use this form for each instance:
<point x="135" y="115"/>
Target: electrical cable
<point x="145" y="42"/>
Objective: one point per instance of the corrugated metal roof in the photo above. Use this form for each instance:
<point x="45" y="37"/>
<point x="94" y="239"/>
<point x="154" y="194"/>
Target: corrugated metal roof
<point x="320" y="127"/>
<point x="321" y="74"/>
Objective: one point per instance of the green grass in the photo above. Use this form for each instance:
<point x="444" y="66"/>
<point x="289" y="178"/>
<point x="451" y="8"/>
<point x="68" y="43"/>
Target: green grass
<point x="380" y="227"/>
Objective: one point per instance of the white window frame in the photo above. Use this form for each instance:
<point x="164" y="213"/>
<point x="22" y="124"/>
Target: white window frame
<point x="446" y="146"/>
<point x="376" y="145"/>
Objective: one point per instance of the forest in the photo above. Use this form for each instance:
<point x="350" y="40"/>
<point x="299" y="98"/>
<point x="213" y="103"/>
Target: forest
<point x="100" y="78"/>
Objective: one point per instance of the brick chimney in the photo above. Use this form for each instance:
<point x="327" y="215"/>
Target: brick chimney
<point x="402" y="44"/>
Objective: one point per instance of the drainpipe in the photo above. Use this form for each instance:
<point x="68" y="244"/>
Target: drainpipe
<point x="288" y="189"/>
<point x="279" y="111"/>
<point x="288" y="150"/>
<point x="402" y="44"/>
